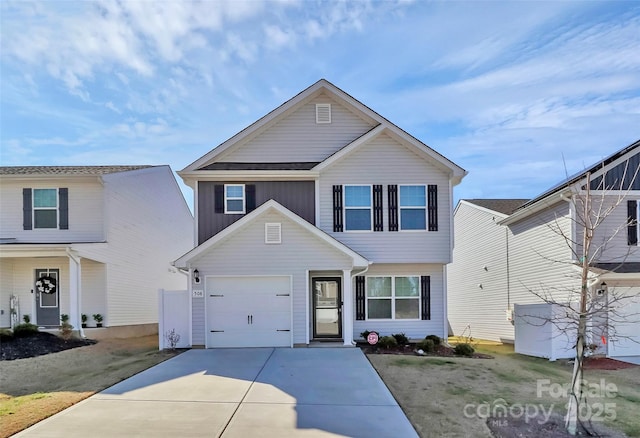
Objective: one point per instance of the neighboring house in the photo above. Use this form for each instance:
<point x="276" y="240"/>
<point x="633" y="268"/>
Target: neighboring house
<point x="90" y="239"/>
<point x="507" y="249"/>
<point x="317" y="222"/>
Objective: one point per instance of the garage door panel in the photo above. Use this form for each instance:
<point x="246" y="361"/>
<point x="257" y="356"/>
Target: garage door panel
<point x="249" y="311"/>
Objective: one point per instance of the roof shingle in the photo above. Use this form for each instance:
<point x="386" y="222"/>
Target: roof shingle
<point x="67" y="170"/>
<point x="504" y="206"/>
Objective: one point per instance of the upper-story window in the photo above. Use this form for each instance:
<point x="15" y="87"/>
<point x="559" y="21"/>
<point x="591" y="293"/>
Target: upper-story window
<point x="413" y="207"/>
<point x="357" y="208"/>
<point x="234" y="199"/>
<point x="45" y="208"/>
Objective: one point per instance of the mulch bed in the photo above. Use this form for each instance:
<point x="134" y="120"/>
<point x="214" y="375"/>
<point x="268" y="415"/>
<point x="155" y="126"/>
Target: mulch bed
<point x="521" y="426"/>
<point x="410" y="350"/>
<point x="604" y="363"/>
<point x="38" y="345"/>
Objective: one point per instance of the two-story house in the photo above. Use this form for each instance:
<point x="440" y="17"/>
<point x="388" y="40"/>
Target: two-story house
<point x="510" y="252"/>
<point x="317" y="222"/>
<point x="90" y="240"/>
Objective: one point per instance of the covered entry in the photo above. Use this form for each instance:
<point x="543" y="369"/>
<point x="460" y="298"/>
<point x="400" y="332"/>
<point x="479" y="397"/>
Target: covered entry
<point x="248" y="311"/>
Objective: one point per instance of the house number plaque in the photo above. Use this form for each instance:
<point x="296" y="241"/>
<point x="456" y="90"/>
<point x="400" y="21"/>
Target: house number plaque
<point x="197" y="293"/>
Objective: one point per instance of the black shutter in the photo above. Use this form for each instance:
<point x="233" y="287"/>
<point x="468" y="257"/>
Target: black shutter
<point x="250" y="193"/>
<point x="393" y="207"/>
<point x="432" y="206"/>
<point x="632" y="224"/>
<point x="337" y="209"/>
<point x="63" y="208"/>
<point x="218" y="194"/>
<point x="377" y="208"/>
<point x="360" y="298"/>
<point x="425" y="295"/>
<point x="27" y="217"/>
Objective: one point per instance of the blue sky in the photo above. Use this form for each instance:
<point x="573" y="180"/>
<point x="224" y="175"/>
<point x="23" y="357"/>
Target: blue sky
<point x="518" y="93"/>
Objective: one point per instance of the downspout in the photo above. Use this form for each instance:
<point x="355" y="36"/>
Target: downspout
<point x="364" y="271"/>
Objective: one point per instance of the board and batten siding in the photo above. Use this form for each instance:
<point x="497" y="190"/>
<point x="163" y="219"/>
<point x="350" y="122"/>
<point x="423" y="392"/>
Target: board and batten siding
<point x="245" y="253"/>
<point x="149" y="226"/>
<point x="384" y="161"/>
<point x="86" y="211"/>
<point x="477" y="289"/>
<point x="298" y="138"/>
<point x="297" y="196"/>
<point x="413" y="329"/>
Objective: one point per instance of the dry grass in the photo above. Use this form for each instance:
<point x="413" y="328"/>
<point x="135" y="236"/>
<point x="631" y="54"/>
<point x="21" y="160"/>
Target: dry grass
<point x="36" y="388"/>
<point x="435" y="391"/>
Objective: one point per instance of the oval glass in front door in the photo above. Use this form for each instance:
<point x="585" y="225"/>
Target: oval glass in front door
<point x="327" y="308"/>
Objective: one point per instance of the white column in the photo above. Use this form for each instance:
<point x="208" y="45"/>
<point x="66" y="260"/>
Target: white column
<point x="75" y="278"/>
<point x="347" y="308"/>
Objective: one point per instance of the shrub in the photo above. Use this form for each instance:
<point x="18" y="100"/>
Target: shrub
<point x="401" y="338"/>
<point x="24" y="330"/>
<point x="427" y="345"/>
<point x="387" y="342"/>
<point x="463" y="350"/>
<point x="26" y="319"/>
<point x="365" y="334"/>
<point x="66" y="329"/>
<point x="6" y="335"/>
<point x="436" y="339"/>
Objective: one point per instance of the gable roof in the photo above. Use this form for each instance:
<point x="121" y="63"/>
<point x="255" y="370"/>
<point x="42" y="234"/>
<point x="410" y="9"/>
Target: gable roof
<point x="67" y="170"/>
<point x="558" y="191"/>
<point x="502" y="206"/>
<point x="271" y="205"/>
<point x="322" y="86"/>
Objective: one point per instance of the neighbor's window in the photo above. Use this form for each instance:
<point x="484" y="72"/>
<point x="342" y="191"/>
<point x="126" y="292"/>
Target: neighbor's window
<point x="234" y="197"/>
<point x="357" y="208"/>
<point x="393" y="297"/>
<point x="413" y="208"/>
<point x="45" y="208"/>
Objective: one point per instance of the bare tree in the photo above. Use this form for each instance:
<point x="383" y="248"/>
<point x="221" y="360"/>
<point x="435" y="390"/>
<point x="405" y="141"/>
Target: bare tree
<point x="595" y="230"/>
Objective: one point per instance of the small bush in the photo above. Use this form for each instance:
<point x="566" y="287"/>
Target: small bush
<point x="401" y="338"/>
<point x="365" y="334"/>
<point x="426" y="345"/>
<point x="387" y="342"/>
<point x="436" y="339"/>
<point x="464" y="350"/>
<point x="6" y="335"/>
<point x="24" y="330"/>
<point x="64" y="318"/>
<point x="26" y="319"/>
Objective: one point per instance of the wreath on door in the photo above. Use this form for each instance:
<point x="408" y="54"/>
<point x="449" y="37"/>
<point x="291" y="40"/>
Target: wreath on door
<point x="46" y="285"/>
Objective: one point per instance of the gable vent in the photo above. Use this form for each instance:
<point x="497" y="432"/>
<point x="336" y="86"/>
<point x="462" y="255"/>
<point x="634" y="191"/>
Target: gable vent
<point x="272" y="233"/>
<point x="323" y="113"/>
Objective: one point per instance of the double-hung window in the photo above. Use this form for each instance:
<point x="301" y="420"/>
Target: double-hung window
<point x="393" y="297"/>
<point x="413" y="207"/>
<point x="357" y="208"/>
<point x="45" y="208"/>
<point x="234" y="199"/>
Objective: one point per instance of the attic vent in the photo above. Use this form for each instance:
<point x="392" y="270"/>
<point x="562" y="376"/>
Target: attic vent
<point x="323" y="113"/>
<point x="272" y="233"/>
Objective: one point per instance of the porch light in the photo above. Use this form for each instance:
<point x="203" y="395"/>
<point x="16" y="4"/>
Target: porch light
<point x="196" y="276"/>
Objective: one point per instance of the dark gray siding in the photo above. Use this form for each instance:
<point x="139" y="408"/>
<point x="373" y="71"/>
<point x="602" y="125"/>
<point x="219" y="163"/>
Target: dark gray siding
<point x="622" y="177"/>
<point x="297" y="196"/>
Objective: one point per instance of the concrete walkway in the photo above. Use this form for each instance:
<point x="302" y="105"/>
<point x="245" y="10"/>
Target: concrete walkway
<point x="265" y="392"/>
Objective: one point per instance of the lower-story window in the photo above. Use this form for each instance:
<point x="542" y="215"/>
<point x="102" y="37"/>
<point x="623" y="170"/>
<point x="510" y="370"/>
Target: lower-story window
<point x="393" y="297"/>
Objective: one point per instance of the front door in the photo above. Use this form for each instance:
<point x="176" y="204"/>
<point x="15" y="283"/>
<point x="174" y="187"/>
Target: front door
<point x="327" y="308"/>
<point x="47" y="294"/>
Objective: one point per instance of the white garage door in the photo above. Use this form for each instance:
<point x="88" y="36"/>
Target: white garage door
<point x="248" y="311"/>
<point x="624" y="320"/>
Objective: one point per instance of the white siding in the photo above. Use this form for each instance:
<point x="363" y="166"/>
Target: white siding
<point x="245" y="253"/>
<point x="85" y="211"/>
<point x="93" y="293"/>
<point x="384" y="161"/>
<point x="412" y="329"/>
<point x="149" y="226"/>
<point x="6" y="290"/>
<point x="477" y="278"/>
<point x="198" y="320"/>
<point x="298" y="138"/>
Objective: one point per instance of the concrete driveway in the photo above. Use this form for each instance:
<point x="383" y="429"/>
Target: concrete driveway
<point x="266" y="392"/>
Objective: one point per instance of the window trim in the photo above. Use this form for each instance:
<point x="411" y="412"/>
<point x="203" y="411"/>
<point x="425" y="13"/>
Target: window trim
<point x="345" y="208"/>
<point x="234" y="198"/>
<point x="34" y="208"/>
<point x="393" y="298"/>
<point x="426" y="209"/>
